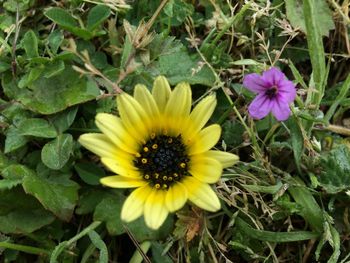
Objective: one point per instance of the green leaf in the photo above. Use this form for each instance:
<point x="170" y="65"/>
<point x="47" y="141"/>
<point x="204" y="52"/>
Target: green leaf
<point x="14" y="139"/>
<point x="97" y="16"/>
<point x="61" y="17"/>
<point x="56" y="153"/>
<point x="108" y="211"/>
<point x="51" y="95"/>
<point x="13" y="176"/>
<point x="56" y="192"/>
<point x="30" y="44"/>
<point x="295" y="15"/>
<point x="54" y="68"/>
<point x="335" y="175"/>
<point x="180" y="66"/>
<point x="98" y="242"/>
<point x="277" y="237"/>
<point x="55" y="39"/>
<point x="37" y="127"/>
<point x="89" y="173"/>
<point x="21" y="213"/>
<point x="63" y="120"/>
<point x="273" y="189"/>
<point x="297" y="140"/>
<point x="89" y="199"/>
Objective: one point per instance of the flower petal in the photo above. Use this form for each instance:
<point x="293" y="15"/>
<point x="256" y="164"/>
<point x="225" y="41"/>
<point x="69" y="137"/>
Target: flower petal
<point x="176" y="197"/>
<point x="206" y="170"/>
<point x="121" y="166"/>
<point x="114" y="129"/>
<point x="273" y="76"/>
<point x="155" y="210"/>
<point x="99" y="144"/>
<point x="287" y="91"/>
<point x="161" y="92"/>
<point x="133" y="116"/>
<point x="133" y="206"/>
<point x="201" y="194"/>
<point x="179" y="103"/>
<point x="201" y="114"/>
<point x="205" y="139"/>
<point x="145" y="98"/>
<point x="254" y="83"/>
<point x="281" y="110"/>
<point x="118" y="181"/>
<point x="260" y="106"/>
<point x="225" y="158"/>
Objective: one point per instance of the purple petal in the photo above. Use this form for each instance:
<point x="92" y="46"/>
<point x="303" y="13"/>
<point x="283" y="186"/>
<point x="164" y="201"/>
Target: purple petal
<point x="273" y="76"/>
<point x="280" y="109"/>
<point x="254" y="83"/>
<point x="260" y="106"/>
<point x="286" y="90"/>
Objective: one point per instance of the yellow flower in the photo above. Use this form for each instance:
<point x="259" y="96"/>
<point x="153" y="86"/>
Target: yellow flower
<point x="160" y="147"/>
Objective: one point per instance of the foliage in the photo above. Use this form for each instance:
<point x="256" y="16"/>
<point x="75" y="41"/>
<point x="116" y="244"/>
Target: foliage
<point x="61" y="62"/>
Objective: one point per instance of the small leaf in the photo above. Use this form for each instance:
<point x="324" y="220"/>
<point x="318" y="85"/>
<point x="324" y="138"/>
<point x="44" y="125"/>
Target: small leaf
<point x="89" y="173"/>
<point x="56" y="192"/>
<point x="14" y="139"/>
<point x="37" y="127"/>
<point x="61" y="17"/>
<point x="96" y="16"/>
<point x="30" y="44"/>
<point x="63" y="120"/>
<point x="55" y="39"/>
<point x="56" y="153"/>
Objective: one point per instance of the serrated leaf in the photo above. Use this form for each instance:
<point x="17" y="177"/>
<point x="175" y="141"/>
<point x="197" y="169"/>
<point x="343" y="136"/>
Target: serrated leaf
<point x="335" y="175"/>
<point x="14" y="139"/>
<point x="89" y="173"/>
<point x="37" y="127"/>
<point x="56" y="153"/>
<point x="30" y="44"/>
<point x="21" y="213"/>
<point x="96" y="16"/>
<point x="56" y="192"/>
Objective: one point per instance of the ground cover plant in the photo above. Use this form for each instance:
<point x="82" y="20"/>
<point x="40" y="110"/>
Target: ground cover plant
<point x="174" y="131"/>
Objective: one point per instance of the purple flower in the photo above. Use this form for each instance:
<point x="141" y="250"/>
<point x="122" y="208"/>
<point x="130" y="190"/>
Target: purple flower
<point x="275" y="93"/>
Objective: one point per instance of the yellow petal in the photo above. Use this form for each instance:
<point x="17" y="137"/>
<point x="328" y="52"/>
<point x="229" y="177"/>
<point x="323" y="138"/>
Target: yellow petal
<point x="118" y="181"/>
<point x="202" y="112"/>
<point x="145" y="98"/>
<point x="206" y="170"/>
<point x="114" y="129"/>
<point x="161" y="92"/>
<point x="99" y="144"/>
<point x="176" y="197"/>
<point x="133" y="205"/>
<point x="201" y="194"/>
<point x="179" y="103"/>
<point x="121" y="166"/>
<point x="133" y="116"/>
<point x="205" y="139"/>
<point x="225" y="158"/>
<point x="155" y="210"/>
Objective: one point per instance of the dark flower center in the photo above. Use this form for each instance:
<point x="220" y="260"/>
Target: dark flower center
<point x="271" y="92"/>
<point x="163" y="160"/>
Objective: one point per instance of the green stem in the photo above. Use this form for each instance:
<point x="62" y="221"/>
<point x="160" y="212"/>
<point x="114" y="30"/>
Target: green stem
<point x="24" y="248"/>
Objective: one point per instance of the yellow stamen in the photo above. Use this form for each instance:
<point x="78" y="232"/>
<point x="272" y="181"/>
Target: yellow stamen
<point x="165" y="177"/>
<point x="165" y="186"/>
<point x="154" y="146"/>
<point x="145" y="149"/>
<point x="144" y="160"/>
<point x="153" y="135"/>
<point x="157" y="186"/>
<point x="146" y="176"/>
<point x="182" y="165"/>
<point x="170" y="178"/>
<point x="156" y="175"/>
<point x="138" y="155"/>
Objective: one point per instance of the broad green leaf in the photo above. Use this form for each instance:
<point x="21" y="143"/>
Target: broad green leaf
<point x="56" y="192"/>
<point x="63" y="120"/>
<point x="14" y="139"/>
<point x="61" y="17"/>
<point x="13" y="176"/>
<point x="30" y="44"/>
<point x="56" y="153"/>
<point x="89" y="198"/>
<point x="96" y="16"/>
<point x="180" y="66"/>
<point x="21" y="213"/>
<point x="335" y="175"/>
<point x="89" y="173"/>
<point x="295" y="15"/>
<point x="54" y="68"/>
<point x="51" y="95"/>
<point x="37" y="127"/>
<point x="278" y="237"/>
<point x="108" y="211"/>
